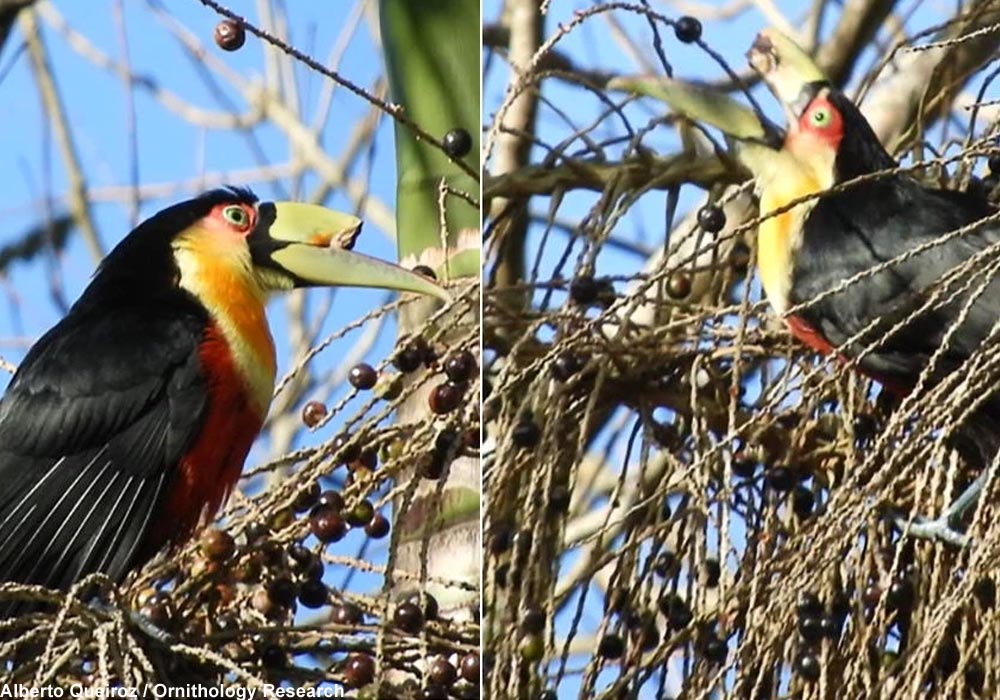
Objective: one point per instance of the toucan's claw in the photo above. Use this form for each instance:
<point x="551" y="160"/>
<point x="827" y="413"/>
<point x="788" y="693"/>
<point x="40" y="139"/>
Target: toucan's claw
<point x="147" y="627"/>
<point x="943" y="527"/>
<point x="140" y="621"/>
<point x="939" y="530"/>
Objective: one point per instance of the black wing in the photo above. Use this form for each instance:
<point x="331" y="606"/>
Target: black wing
<point x="864" y="227"/>
<point x="91" y="430"/>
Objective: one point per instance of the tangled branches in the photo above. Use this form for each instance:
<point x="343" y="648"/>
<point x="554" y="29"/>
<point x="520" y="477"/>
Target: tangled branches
<point x="682" y="500"/>
<point x="302" y="581"/>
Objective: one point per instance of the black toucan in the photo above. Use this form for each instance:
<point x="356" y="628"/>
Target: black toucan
<point x="127" y="424"/>
<point x="859" y="257"/>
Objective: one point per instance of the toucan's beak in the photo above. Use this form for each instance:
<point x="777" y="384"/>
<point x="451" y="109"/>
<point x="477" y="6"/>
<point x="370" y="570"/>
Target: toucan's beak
<point x="788" y="71"/>
<point x="702" y="104"/>
<point x="303" y="245"/>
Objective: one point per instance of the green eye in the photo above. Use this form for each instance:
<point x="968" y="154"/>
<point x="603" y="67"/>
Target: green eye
<point x="821" y="117"/>
<point x="237" y="216"/>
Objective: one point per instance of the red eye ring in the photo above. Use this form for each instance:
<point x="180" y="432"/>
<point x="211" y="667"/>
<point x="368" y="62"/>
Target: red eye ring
<point x="238" y="217"/>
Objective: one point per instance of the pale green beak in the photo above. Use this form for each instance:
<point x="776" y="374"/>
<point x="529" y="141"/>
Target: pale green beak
<point x="303" y="244"/>
<point x="789" y="72"/>
<point x="702" y="104"/>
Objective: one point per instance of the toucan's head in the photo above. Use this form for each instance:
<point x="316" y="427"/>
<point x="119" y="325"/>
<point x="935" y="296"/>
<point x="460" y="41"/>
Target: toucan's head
<point x="227" y="237"/>
<point x="826" y="131"/>
<point x="225" y="252"/>
<point x="827" y="139"/>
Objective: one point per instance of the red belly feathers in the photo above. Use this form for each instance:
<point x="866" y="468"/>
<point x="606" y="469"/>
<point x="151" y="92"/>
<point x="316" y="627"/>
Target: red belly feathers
<point x="212" y="465"/>
<point x="815" y="340"/>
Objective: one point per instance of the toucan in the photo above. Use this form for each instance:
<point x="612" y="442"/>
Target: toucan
<point x="861" y="258"/>
<point x="127" y="424"/>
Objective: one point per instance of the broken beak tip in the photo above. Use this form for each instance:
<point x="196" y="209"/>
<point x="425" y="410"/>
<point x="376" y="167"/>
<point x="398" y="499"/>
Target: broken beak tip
<point x="762" y="43"/>
<point x="762" y="56"/>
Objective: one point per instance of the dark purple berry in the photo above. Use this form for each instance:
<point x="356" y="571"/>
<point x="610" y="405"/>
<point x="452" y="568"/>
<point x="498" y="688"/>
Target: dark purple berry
<point x="687" y="29"/>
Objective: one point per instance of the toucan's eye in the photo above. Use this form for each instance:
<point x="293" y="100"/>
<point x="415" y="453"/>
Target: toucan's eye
<point x="821" y="116"/>
<point x="237" y="216"/>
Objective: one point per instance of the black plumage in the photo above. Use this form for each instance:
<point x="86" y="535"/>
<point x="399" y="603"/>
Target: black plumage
<point x="100" y="412"/>
<point x="936" y="288"/>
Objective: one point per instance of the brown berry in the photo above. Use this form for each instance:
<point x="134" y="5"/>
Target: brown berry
<point x="533" y="620"/>
<point x="442" y="672"/>
<point x="471" y="439"/>
<point x="362" y="376"/>
<point x="807" y="666"/>
<point x="446" y="397"/>
<point x="426" y="602"/>
<point x="408" y="617"/>
<point x="712" y="572"/>
<point x="314" y="571"/>
<point x="409" y="357"/>
<point x="711" y="218"/>
<point x="566" y="365"/>
<point x="584" y="290"/>
<point x="345" y="453"/>
<point x="460" y="366"/>
<point x="377" y="527"/>
<point x="347" y="613"/>
<point x="300" y="557"/>
<point x="218" y="545"/>
<point x="313" y="413"/>
<point x="739" y="256"/>
<point x="678" y="285"/>
<point x="611" y="646"/>
<point x="434" y="692"/>
<point x="158" y="612"/>
<point x="714" y="649"/>
<point x="469" y="667"/>
<point x="327" y="524"/>
<point x="559" y="499"/>
<point x="526" y="433"/>
<point x="501" y="540"/>
<point x="368" y="459"/>
<point x="230" y="35"/>
<point x="432" y="466"/>
<point x="687" y="29"/>
<point x="332" y="499"/>
<point x="273" y="656"/>
<point x="359" y="670"/>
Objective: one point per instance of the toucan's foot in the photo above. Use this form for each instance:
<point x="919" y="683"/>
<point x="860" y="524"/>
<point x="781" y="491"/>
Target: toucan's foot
<point x="139" y="621"/>
<point x="942" y="528"/>
<point x="937" y="530"/>
<point x="146" y="626"/>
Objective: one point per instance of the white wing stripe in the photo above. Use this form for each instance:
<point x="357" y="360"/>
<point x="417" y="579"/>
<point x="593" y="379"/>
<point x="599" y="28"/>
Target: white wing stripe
<point x="52" y="511"/>
<point x="82" y="564"/>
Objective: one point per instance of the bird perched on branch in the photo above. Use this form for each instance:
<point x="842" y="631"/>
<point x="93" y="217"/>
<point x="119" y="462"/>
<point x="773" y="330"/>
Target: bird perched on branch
<point x="859" y="257"/>
<point x="127" y="424"/>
